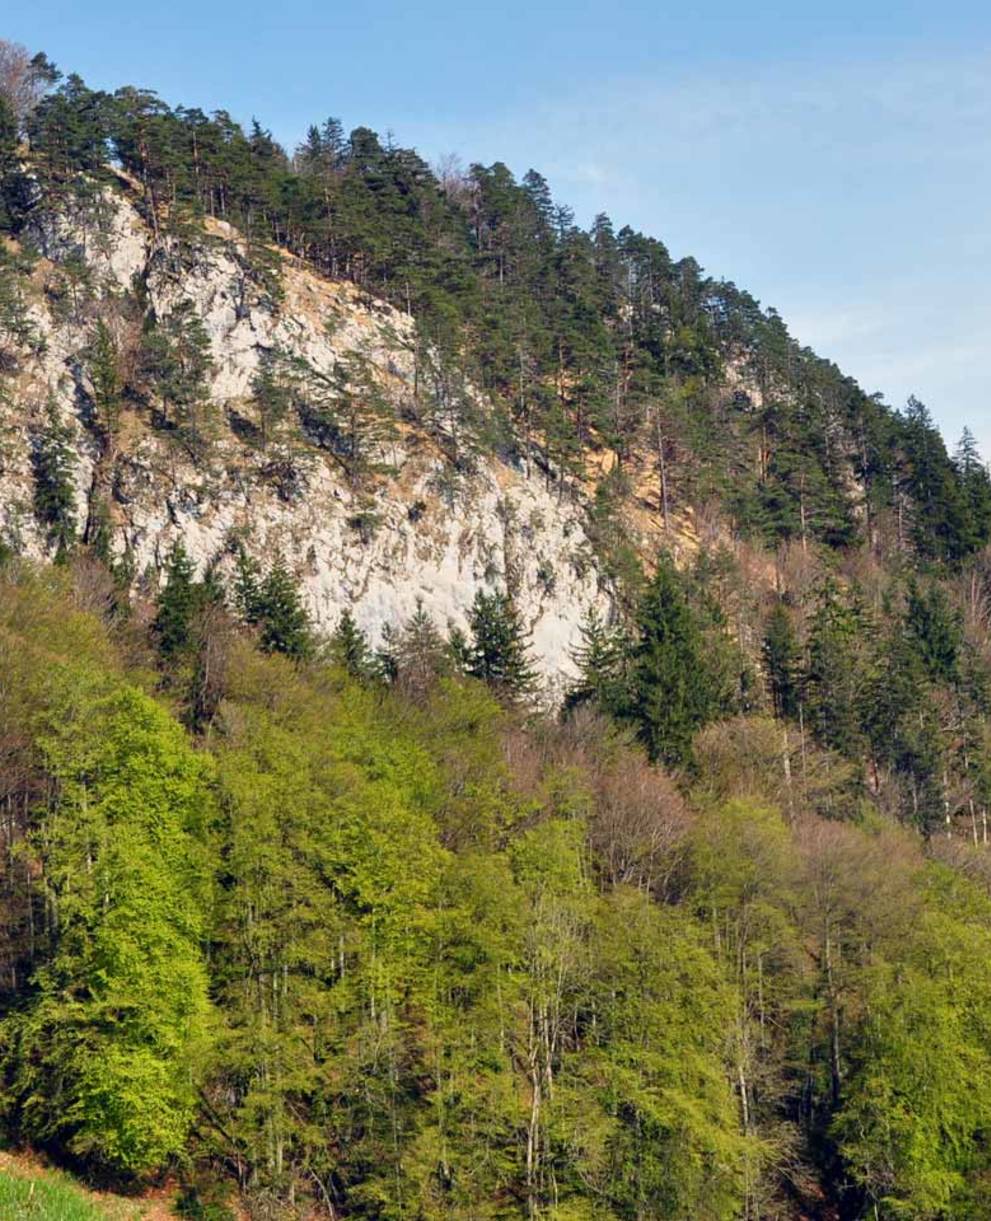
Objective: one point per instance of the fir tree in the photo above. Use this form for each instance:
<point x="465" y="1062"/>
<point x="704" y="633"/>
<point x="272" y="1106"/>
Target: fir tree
<point x="601" y="659"/>
<point x="936" y="629"/>
<point x="420" y="653"/>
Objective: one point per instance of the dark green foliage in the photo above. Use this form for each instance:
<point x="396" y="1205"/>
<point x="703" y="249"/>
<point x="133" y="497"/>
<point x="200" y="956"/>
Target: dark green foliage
<point x="272" y="604"/>
<point x="348" y="414"/>
<point x="465" y="960"/>
<point x="674" y="689"/>
<point x="103" y="364"/>
<point x="10" y="185"/>
<point x="54" y="462"/>
<point x="602" y="660"/>
<point x="272" y="394"/>
<point x="419" y="653"/>
<point x="178" y="603"/>
<point x="498" y="654"/>
<point x="836" y="669"/>
<point x="349" y="648"/>
<point x="936" y="631"/>
<point x="782" y="662"/>
<point x="175" y="364"/>
<point x="581" y="339"/>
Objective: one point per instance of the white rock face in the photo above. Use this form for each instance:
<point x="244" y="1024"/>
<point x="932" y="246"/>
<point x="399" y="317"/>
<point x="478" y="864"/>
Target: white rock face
<point x="412" y="536"/>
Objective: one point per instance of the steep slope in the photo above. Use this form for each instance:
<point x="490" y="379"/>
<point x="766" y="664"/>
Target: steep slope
<point x="412" y="529"/>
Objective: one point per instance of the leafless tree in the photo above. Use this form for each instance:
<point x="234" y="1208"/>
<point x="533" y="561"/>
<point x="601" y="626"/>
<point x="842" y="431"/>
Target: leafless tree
<point x="24" y="78"/>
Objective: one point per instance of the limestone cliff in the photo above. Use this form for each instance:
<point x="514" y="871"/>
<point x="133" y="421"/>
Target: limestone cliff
<point x="417" y="530"/>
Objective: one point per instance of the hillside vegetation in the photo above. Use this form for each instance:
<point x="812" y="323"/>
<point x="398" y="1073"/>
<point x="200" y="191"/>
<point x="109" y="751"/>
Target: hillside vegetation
<point x="327" y="925"/>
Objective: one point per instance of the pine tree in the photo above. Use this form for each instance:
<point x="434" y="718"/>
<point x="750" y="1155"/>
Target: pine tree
<point x="498" y="653"/>
<point x="103" y="366"/>
<point x="272" y="395"/>
<point x="176" y="366"/>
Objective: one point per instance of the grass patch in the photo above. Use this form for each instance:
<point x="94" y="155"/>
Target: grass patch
<point x="46" y="1195"/>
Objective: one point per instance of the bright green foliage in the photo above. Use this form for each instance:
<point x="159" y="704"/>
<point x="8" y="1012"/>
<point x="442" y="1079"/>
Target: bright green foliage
<point x="109" y="1047"/>
<point x="917" y="1103"/>
<point x="498" y="651"/>
<point x="667" y="1142"/>
<point x="47" y="1197"/>
<point x="332" y="865"/>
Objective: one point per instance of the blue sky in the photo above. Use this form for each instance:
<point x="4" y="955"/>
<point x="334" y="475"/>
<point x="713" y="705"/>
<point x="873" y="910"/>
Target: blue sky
<point x="833" y="159"/>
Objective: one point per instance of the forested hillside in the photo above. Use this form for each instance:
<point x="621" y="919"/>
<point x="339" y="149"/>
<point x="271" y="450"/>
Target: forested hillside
<point x="417" y="923"/>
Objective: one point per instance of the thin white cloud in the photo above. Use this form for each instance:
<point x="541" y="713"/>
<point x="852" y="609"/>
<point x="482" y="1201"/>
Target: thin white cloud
<point x="851" y="197"/>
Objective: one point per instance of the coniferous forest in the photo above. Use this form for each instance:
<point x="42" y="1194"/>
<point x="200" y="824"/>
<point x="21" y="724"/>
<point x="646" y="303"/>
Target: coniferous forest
<point x="315" y="925"/>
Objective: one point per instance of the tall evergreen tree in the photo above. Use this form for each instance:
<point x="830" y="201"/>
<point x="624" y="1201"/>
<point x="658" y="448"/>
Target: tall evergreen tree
<point x="673" y="690"/>
<point x="285" y="625"/>
<point x="349" y="648"/>
<point x="782" y="662"/>
<point x="498" y="652"/>
<point x="54" y="461"/>
<point x="178" y="602"/>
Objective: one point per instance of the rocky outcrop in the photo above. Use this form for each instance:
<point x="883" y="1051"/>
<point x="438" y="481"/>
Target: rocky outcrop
<point x="418" y="532"/>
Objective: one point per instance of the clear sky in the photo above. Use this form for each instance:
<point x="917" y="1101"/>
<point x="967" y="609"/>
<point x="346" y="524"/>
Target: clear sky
<point x="832" y="158"/>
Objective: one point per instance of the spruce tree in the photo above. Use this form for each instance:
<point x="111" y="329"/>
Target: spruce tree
<point x="673" y="690"/>
<point x="177" y="605"/>
<point x="782" y="662"/>
<point x="421" y="656"/>
<point x="54" y="461"/>
<point x="936" y="629"/>
<point x="601" y="659"/>
<point x="285" y="625"/>
<point x="498" y="654"/>
<point x="837" y="670"/>
<point x="349" y="648"/>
